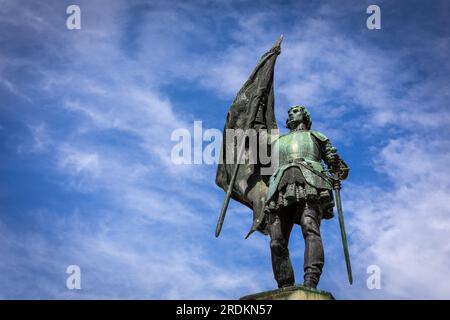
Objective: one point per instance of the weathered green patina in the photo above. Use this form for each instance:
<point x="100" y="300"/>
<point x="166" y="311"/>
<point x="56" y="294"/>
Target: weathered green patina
<point x="300" y="189"/>
<point x="301" y="147"/>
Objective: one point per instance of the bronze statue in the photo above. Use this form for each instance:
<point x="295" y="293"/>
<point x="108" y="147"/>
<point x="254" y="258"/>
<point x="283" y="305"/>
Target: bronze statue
<point x="300" y="189"/>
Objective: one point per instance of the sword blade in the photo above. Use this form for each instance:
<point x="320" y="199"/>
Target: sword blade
<point x="343" y="234"/>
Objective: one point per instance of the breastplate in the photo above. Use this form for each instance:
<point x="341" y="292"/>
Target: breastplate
<point x="298" y="144"/>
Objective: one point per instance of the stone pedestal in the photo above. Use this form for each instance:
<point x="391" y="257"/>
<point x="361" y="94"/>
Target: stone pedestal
<point x="297" y="292"/>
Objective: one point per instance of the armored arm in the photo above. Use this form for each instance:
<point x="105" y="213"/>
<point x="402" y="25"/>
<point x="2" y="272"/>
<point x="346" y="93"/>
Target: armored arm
<point x="331" y="158"/>
<point x="334" y="162"/>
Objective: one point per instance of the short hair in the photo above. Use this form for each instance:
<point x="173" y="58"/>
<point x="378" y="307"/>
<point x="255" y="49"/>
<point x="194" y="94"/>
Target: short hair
<point x="306" y="115"/>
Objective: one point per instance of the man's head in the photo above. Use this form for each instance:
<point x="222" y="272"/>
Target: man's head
<point x="296" y="115"/>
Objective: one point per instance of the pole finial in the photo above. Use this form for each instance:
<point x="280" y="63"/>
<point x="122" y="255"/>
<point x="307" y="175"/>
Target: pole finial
<point x="278" y="43"/>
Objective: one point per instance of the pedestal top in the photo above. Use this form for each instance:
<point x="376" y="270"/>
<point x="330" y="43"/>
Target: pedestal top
<point x="297" y="292"/>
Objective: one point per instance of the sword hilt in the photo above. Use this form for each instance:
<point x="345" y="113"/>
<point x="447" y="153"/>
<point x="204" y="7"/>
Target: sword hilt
<point x="336" y="184"/>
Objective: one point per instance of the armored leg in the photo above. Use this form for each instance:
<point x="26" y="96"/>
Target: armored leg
<point x="280" y="230"/>
<point x="314" y="257"/>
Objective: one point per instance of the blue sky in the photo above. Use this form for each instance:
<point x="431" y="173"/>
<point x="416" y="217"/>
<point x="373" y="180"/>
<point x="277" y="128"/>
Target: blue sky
<point x="86" y="118"/>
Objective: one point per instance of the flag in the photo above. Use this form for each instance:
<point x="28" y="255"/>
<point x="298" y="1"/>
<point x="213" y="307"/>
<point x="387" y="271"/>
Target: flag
<point x="254" y="98"/>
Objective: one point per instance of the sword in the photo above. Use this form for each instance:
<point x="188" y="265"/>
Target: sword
<point x="337" y="193"/>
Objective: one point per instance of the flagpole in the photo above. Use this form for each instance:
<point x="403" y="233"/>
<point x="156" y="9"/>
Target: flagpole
<point x="226" y="201"/>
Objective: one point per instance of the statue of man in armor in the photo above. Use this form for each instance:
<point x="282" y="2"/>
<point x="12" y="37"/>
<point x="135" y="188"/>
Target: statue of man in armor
<point x="300" y="192"/>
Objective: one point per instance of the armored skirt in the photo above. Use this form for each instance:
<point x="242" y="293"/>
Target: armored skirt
<point x="293" y="189"/>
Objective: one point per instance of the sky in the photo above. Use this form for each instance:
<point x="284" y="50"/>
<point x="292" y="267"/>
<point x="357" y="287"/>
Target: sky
<point x="86" y="117"/>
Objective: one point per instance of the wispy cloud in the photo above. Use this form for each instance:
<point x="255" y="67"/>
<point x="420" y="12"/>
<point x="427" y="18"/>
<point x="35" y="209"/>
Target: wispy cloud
<point x="404" y="228"/>
<point x="103" y="101"/>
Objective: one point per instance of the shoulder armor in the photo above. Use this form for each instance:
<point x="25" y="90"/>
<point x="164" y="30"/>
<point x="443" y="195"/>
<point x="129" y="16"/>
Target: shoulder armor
<point x="275" y="138"/>
<point x="319" y="136"/>
<point x="281" y="136"/>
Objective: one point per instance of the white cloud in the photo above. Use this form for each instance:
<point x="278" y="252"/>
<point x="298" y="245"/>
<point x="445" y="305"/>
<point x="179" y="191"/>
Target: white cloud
<point x="79" y="162"/>
<point x="404" y="229"/>
<point x="151" y="235"/>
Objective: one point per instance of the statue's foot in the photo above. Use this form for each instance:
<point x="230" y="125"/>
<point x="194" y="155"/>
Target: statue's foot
<point x="285" y="285"/>
<point x="310" y="283"/>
